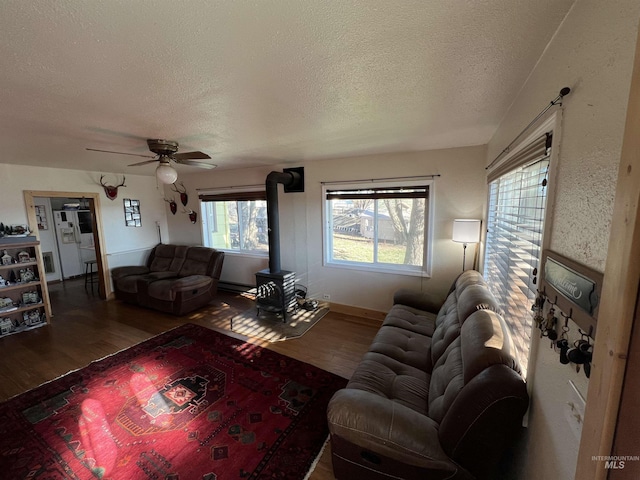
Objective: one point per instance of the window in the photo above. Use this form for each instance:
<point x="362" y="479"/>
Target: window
<point x="515" y="221"/>
<point x="378" y="226"/>
<point x="235" y="222"/>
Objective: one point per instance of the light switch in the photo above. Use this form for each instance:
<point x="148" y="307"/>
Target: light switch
<point x="574" y="410"/>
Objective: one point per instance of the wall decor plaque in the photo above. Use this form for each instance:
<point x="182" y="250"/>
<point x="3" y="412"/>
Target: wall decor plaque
<point x="572" y="286"/>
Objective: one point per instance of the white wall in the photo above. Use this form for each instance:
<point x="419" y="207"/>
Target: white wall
<point x="459" y="192"/>
<point x="121" y="242"/>
<point x="592" y="53"/>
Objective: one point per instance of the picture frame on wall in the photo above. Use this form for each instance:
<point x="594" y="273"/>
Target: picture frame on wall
<point x="132" y="216"/>
<point x="41" y="217"/>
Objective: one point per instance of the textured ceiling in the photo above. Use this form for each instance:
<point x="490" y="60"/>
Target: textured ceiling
<point x="259" y="82"/>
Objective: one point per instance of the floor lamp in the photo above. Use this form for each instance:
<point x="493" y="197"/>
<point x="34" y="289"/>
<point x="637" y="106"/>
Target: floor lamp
<point x="466" y="231"/>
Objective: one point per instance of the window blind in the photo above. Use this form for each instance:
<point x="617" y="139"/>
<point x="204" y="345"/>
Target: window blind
<point x="517" y="201"/>
<point x="376" y="193"/>
<point x="233" y="196"/>
<point x="529" y="154"/>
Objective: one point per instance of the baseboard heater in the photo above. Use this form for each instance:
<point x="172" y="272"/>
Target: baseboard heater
<point x="235" y="287"/>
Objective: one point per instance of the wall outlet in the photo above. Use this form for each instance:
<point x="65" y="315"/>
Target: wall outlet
<point x="326" y="296"/>
<point x="574" y="410"/>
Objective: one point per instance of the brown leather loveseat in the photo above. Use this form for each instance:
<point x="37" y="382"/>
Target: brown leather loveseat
<point x="176" y="279"/>
<point x="436" y="396"/>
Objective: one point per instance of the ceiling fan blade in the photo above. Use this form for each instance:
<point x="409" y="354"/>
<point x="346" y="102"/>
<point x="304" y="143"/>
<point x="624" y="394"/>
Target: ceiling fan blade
<point x="190" y="155"/>
<point x="143" y="163"/>
<point x="119" y="153"/>
<point x="195" y="164"/>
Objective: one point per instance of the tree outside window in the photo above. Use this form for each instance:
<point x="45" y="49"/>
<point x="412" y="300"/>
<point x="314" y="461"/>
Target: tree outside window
<point x="380" y="226"/>
<point x="235" y="224"/>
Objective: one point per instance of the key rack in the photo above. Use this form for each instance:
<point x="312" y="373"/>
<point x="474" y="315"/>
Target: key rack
<point x="573" y="287"/>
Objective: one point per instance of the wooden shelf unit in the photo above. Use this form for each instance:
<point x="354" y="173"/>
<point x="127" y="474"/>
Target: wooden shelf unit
<point x="16" y="289"/>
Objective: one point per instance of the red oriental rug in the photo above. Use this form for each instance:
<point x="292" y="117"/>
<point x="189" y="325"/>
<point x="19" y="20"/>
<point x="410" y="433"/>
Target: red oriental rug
<point x="188" y="404"/>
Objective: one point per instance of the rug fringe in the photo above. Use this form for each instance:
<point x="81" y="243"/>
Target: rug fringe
<point x="317" y="459"/>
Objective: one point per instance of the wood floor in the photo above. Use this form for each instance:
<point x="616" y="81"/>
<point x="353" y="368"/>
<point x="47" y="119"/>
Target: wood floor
<point x="85" y="328"/>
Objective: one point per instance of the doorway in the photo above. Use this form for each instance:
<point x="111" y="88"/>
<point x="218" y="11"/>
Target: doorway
<point x="71" y="236"/>
<point x="92" y="201"/>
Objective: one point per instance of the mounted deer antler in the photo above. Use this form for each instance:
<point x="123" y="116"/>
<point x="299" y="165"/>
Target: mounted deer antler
<point x="111" y="191"/>
<point x="173" y="206"/>
<point x="184" y="198"/>
<point x="193" y="216"/>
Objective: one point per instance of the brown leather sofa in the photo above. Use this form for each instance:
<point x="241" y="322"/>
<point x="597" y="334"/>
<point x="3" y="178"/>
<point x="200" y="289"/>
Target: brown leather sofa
<point x="436" y="396"/>
<point x="176" y="279"/>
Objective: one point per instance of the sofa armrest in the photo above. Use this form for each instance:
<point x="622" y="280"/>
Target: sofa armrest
<point x="120" y="272"/>
<point x="415" y="299"/>
<point x="387" y="428"/>
<point x="484" y="419"/>
<point x="216" y="271"/>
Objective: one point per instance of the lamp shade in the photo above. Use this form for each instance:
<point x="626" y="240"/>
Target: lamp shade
<point x="466" y="230"/>
<point x="166" y="173"/>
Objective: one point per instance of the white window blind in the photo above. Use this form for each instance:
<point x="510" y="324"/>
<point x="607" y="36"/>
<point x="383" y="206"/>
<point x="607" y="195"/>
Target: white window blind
<point x="515" y="222"/>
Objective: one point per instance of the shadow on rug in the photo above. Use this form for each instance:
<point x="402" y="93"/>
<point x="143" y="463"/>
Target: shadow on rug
<point x="270" y="327"/>
<point x="190" y="403"/>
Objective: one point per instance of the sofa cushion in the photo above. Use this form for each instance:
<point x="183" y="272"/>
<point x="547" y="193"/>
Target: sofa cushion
<point x="466" y="279"/>
<point x="417" y="300"/>
<point x="458" y="306"/>
<point x="446" y="381"/>
<point x="485" y="342"/>
<point x="473" y="298"/>
<point x="130" y="283"/>
<point x="445" y="333"/>
<point x="406" y="346"/>
<point x="393" y="380"/>
<point x="191" y="286"/>
<point x="168" y="258"/>
<point x="197" y="262"/>
<point x="120" y="272"/>
<point x="411" y="319"/>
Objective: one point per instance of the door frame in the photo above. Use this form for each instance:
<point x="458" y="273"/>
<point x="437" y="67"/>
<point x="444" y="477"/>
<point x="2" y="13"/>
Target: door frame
<point x="617" y="308"/>
<point x="104" y="284"/>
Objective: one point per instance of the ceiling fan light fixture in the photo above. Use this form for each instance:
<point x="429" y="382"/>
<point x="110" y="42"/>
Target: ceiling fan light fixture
<point x="165" y="173"/>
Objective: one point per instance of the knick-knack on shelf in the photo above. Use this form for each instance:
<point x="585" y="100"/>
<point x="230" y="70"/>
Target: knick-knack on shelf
<point x="7" y="259"/>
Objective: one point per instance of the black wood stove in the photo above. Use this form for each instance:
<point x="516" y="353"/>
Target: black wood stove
<point x="276" y="292"/>
<point x="276" y="287"/>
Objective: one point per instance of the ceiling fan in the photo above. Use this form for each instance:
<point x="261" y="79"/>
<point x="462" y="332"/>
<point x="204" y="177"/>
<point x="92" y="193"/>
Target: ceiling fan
<point x="166" y="151"/>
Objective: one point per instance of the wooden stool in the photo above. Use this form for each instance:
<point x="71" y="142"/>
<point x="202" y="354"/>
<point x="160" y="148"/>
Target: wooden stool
<point x="88" y="273"/>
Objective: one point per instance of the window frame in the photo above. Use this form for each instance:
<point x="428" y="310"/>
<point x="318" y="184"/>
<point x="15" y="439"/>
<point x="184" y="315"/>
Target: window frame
<point x="550" y="123"/>
<point x="327" y="238"/>
<point x="227" y="195"/>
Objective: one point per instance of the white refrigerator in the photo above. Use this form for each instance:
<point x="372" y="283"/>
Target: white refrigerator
<point x="74" y="235"/>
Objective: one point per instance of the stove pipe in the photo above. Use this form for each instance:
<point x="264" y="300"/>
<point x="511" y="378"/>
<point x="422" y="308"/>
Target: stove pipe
<point x="288" y="179"/>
